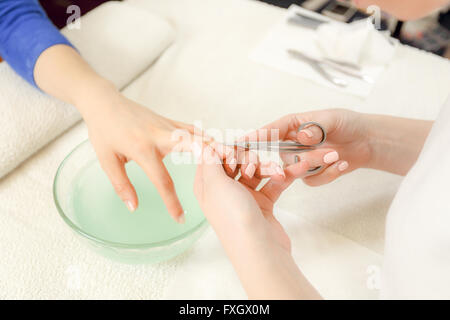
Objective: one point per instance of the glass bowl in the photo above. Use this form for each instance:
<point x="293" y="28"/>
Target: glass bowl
<point x="89" y="206"/>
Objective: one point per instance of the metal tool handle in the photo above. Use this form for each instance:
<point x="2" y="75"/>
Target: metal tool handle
<point x="348" y="71"/>
<point x="284" y="146"/>
<point x="315" y="64"/>
<point x="335" y="80"/>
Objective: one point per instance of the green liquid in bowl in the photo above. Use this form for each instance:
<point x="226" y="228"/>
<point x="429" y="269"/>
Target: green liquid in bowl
<point x="88" y="203"/>
<point x="100" y="212"/>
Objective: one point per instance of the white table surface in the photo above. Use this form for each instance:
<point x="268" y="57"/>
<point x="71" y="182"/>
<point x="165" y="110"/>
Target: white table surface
<point x="206" y="75"/>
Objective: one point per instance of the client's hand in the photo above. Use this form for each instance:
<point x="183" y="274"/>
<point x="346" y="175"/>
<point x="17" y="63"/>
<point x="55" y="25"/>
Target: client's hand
<point x="243" y="219"/>
<point x="345" y="149"/>
<point x="121" y="130"/>
<point x="229" y="204"/>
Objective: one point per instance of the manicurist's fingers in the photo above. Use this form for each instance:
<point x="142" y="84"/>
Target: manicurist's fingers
<point x="328" y="174"/>
<point x="115" y="170"/>
<point x="316" y="158"/>
<point x="152" y="164"/>
<point x="287" y="128"/>
<point x="276" y="130"/>
<point x="310" y="134"/>
<point x="270" y="170"/>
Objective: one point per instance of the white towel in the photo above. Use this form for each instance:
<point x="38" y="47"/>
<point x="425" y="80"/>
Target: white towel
<point x="338" y="267"/>
<point x="117" y="39"/>
<point x="206" y="75"/>
<point x="357" y="43"/>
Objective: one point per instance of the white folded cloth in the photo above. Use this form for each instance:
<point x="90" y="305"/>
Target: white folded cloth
<point x="118" y="40"/>
<point x="358" y="43"/>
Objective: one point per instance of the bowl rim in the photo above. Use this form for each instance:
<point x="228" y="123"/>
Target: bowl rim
<point x="109" y="243"/>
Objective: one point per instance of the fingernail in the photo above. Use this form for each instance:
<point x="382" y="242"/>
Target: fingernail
<point x="307" y="132"/>
<point x="250" y="170"/>
<point x="233" y="164"/>
<point x="280" y="171"/>
<point x="181" y="219"/>
<point x="130" y="205"/>
<point x="296" y="159"/>
<point x="342" y="166"/>
<point x="331" y="157"/>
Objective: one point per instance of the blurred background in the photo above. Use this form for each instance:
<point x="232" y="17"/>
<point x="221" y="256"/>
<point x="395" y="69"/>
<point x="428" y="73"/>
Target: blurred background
<point x="430" y="33"/>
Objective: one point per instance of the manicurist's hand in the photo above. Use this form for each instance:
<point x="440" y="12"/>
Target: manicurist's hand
<point x="120" y="130"/>
<point x="243" y="219"/>
<point x="354" y="140"/>
<point x="345" y="149"/>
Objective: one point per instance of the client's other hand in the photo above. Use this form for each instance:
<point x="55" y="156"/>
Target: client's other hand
<point x="243" y="220"/>
<point x="234" y="207"/>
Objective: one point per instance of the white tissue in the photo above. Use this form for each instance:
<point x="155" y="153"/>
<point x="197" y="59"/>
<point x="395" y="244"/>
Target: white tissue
<point x="358" y="43"/>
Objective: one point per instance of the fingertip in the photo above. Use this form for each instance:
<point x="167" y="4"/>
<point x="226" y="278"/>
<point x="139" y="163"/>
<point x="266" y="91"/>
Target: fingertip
<point x="127" y="193"/>
<point x="176" y="211"/>
<point x="307" y="132"/>
<point x="342" y="165"/>
<point x="130" y="205"/>
<point x="280" y="172"/>
<point x="276" y="172"/>
<point x="331" y="157"/>
<point x="250" y="170"/>
<point x="328" y="175"/>
<point x="181" y="219"/>
<point x="232" y="164"/>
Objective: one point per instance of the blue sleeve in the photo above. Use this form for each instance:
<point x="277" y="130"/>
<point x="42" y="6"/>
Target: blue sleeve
<point x="25" y="32"/>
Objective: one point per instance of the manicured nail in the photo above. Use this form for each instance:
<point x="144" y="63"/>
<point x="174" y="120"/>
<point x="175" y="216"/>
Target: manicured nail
<point x="342" y="166"/>
<point x="331" y="157"/>
<point x="307" y="132"/>
<point x="250" y="170"/>
<point x="181" y="219"/>
<point x="130" y="205"/>
<point x="233" y="164"/>
<point x="280" y="171"/>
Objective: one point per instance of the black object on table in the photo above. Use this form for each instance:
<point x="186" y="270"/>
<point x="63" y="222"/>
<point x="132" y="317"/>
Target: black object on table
<point x="57" y="9"/>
